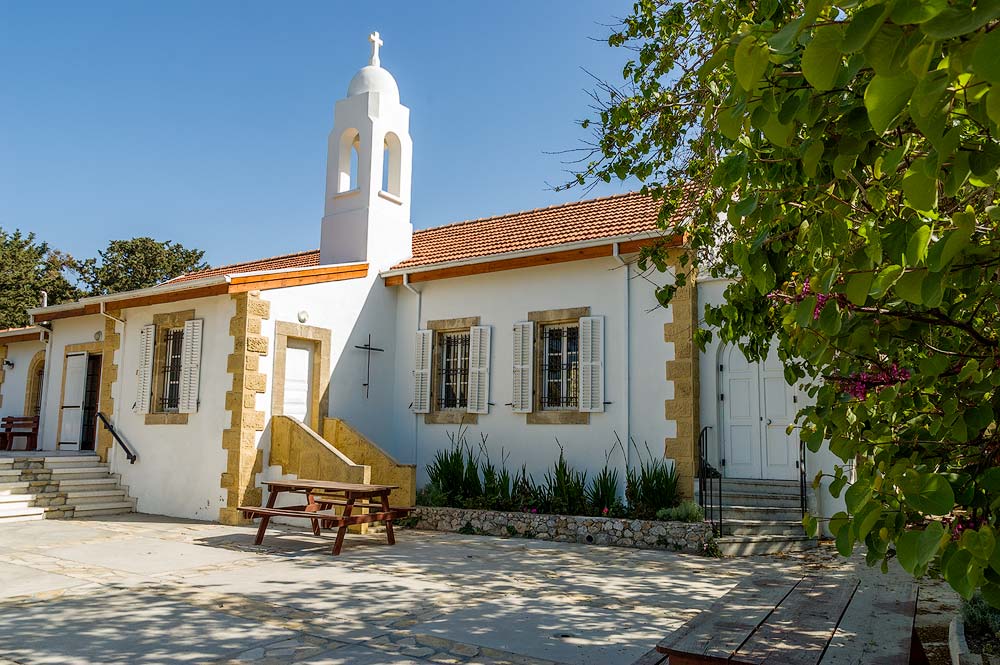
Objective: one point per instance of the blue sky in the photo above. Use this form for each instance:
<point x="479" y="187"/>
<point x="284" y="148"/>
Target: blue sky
<point x="205" y="122"/>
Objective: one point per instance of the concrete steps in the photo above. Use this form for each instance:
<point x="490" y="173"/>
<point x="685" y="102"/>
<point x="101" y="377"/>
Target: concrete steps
<point x="61" y="486"/>
<point x="760" y="517"/>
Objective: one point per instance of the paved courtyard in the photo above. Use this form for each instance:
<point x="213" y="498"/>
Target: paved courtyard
<point x="145" y="589"/>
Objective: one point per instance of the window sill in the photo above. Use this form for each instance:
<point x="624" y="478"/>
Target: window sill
<point x="349" y="193"/>
<point x="392" y="198"/>
<point x="166" y="418"/>
<point x="451" y="417"/>
<point x="558" y="418"/>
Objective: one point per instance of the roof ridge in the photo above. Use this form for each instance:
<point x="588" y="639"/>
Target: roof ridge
<point x="529" y="210"/>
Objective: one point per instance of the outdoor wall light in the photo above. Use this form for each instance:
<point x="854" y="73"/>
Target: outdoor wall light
<point x="8" y="363"/>
<point x="303" y="316"/>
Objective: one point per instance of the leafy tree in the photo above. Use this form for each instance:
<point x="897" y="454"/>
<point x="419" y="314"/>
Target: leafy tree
<point x="848" y="154"/>
<point x="28" y="267"/>
<point x="138" y="263"/>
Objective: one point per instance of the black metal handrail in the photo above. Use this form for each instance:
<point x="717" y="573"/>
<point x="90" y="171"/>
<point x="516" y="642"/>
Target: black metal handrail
<point x="132" y="457"/>
<point x="709" y="479"/>
<point x="802" y="476"/>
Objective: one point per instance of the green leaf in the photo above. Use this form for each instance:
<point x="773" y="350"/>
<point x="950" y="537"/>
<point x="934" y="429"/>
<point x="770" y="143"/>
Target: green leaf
<point x="932" y="289"/>
<point x="930" y="493"/>
<point x="917" y="11"/>
<point x="858" y="286"/>
<point x="909" y="286"/>
<point x="811" y="157"/>
<point x="863" y="26"/>
<point x="811" y="525"/>
<point x="778" y="133"/>
<point x="888" y="51"/>
<point x="993" y="105"/>
<point x="957" y="21"/>
<point x="979" y="543"/>
<point x="782" y="40"/>
<point x="944" y="250"/>
<point x="886" y="97"/>
<point x="919" y="189"/>
<point x="857" y="495"/>
<point x="885" y="280"/>
<point x="916" y="247"/>
<point x="916" y="549"/>
<point x="986" y="58"/>
<point x="750" y="62"/>
<point x="821" y="58"/>
<point x="730" y="122"/>
<point x="959" y="575"/>
<point x="845" y="540"/>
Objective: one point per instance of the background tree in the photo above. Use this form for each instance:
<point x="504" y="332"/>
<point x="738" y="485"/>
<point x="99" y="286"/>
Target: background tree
<point x="851" y="151"/>
<point x="138" y="263"/>
<point x="28" y="267"/>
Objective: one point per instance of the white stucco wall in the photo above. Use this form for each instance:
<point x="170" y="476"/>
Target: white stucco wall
<point x="351" y="310"/>
<point x="15" y="380"/>
<point x="180" y="466"/>
<point x="711" y="291"/>
<point x="502" y="298"/>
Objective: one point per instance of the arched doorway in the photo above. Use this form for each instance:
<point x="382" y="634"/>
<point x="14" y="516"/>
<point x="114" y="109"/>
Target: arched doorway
<point x="34" y="383"/>
<point x="756" y="407"/>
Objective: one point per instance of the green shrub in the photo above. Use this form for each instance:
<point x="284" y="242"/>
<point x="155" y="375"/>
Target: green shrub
<point x="431" y="495"/>
<point x="526" y="496"/>
<point x="566" y="488"/>
<point x="447" y="473"/>
<point x="980" y="617"/>
<point x="652" y="487"/>
<point x="687" y="511"/>
<point x="602" y="495"/>
<point x="496" y="481"/>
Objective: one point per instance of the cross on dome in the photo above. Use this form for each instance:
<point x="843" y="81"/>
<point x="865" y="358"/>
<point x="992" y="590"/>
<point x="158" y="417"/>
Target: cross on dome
<point x="376" y="42"/>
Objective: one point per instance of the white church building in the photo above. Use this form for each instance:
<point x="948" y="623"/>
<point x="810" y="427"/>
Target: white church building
<point x="357" y="360"/>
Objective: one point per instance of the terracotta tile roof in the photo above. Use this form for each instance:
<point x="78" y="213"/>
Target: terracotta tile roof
<point x="306" y="259"/>
<point x="621" y="215"/>
<point x="593" y="219"/>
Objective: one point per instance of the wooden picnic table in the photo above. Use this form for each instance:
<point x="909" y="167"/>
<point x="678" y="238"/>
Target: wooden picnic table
<point x="810" y="620"/>
<point x="321" y="497"/>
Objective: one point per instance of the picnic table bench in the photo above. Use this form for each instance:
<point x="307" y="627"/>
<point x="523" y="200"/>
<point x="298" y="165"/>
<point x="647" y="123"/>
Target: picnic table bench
<point x="802" y="621"/>
<point x="321" y="497"/>
<point x="14" y="427"/>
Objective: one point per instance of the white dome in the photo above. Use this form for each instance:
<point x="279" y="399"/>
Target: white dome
<point x="373" y="78"/>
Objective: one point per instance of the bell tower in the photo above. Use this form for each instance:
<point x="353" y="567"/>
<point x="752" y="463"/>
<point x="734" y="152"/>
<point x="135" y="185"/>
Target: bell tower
<point x="368" y="167"/>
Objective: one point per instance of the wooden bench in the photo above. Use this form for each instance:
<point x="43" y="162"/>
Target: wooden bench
<point x="804" y="621"/>
<point x="14" y="427"/>
<point x="321" y="497"/>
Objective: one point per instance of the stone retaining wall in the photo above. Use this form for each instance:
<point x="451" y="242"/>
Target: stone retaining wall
<point x="44" y="489"/>
<point x="642" y="534"/>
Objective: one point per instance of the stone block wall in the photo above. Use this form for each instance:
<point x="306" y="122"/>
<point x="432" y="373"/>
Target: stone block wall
<point x="384" y="469"/>
<point x="619" y="532"/>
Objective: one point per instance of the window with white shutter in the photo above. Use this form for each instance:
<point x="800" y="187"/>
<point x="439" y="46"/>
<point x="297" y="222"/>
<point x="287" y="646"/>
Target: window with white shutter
<point x="422" y="371"/>
<point x="524" y="338"/>
<point x="144" y="369"/>
<point x="591" y="364"/>
<point x="479" y="369"/>
<point x="190" y="366"/>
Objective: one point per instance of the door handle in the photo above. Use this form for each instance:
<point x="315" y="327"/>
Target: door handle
<point x="768" y="421"/>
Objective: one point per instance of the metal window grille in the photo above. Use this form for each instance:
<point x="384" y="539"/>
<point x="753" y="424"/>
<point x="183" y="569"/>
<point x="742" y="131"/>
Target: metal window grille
<point x="454" y="371"/>
<point x="39" y="381"/>
<point x="560" y="363"/>
<point x="171" y="394"/>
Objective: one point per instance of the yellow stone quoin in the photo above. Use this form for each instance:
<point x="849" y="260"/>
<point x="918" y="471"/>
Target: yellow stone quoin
<point x="243" y="460"/>
<point x="683" y="371"/>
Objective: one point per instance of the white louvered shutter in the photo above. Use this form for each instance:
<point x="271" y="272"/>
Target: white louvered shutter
<point x="190" y="366"/>
<point x="524" y="341"/>
<point x="479" y="369"/>
<point x="592" y="364"/>
<point x="144" y="370"/>
<point x="422" y="371"/>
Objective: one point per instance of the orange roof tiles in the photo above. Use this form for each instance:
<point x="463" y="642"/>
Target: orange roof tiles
<point x="593" y="219"/>
<point x="306" y="259"/>
<point x="617" y="216"/>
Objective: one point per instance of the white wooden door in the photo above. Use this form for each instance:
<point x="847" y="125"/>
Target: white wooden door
<point x="741" y="416"/>
<point x="298" y="381"/>
<point x="74" y="387"/>
<point x="781" y="450"/>
<point x="757" y="407"/>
